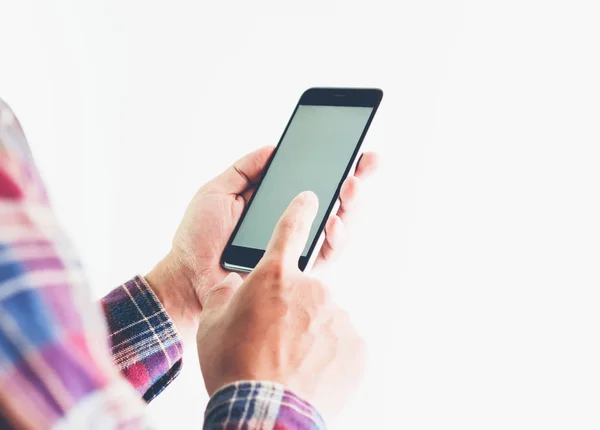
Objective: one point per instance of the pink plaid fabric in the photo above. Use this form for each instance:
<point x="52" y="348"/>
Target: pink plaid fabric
<point x="57" y="369"/>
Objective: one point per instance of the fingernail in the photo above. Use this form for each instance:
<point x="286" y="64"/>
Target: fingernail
<point x="309" y="197"/>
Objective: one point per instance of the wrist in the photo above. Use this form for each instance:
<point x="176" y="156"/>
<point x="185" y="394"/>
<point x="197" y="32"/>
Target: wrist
<point x="176" y="293"/>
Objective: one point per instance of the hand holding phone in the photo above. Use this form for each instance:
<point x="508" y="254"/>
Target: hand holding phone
<point x="196" y="261"/>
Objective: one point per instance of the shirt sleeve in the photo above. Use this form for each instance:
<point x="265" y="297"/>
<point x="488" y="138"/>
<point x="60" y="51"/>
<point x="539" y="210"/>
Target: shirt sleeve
<point x="144" y="342"/>
<point x="55" y="367"/>
<point x="258" y="405"/>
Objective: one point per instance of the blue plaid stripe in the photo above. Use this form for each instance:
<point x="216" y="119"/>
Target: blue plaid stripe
<point x="145" y="345"/>
<point x="51" y="375"/>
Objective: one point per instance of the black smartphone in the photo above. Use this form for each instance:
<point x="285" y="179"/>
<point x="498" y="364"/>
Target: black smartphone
<point x="317" y="151"/>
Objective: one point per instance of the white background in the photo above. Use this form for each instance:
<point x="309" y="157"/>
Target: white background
<point x="473" y="271"/>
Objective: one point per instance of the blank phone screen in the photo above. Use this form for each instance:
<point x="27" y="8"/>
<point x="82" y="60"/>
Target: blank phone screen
<point x="313" y="155"/>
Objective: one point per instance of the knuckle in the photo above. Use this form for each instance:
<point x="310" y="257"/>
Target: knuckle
<point x="272" y="272"/>
<point x="354" y="185"/>
<point x="278" y="307"/>
<point x="270" y="264"/>
<point x="275" y="269"/>
<point x="219" y="290"/>
<point x="288" y="224"/>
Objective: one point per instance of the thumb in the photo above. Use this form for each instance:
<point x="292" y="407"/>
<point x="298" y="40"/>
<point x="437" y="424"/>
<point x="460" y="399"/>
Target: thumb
<point x="219" y="295"/>
<point x="244" y="173"/>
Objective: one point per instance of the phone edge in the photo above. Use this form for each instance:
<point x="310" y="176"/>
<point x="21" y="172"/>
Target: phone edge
<point x="321" y="233"/>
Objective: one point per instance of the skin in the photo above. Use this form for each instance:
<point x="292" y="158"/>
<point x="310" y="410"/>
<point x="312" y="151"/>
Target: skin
<point x="281" y="325"/>
<point x="192" y="267"/>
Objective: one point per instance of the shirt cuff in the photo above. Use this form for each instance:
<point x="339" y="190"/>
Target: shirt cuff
<point x="260" y="404"/>
<point x="144" y="342"/>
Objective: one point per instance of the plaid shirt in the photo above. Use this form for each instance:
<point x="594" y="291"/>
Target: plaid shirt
<point x="57" y="368"/>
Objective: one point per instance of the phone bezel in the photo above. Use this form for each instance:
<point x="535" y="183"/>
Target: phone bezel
<point x="244" y="259"/>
